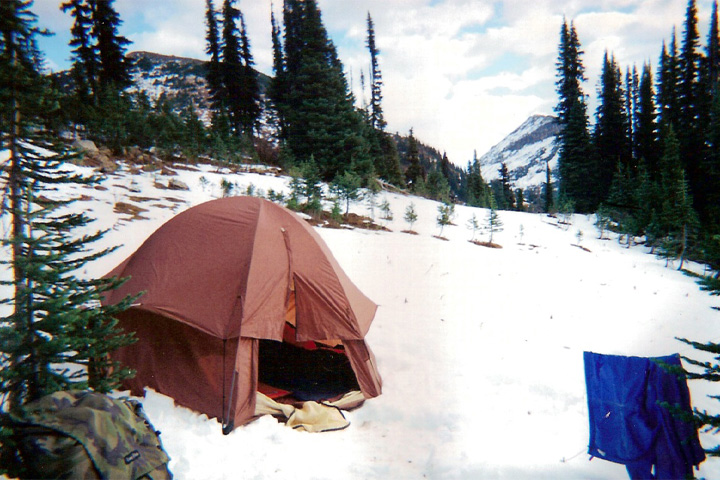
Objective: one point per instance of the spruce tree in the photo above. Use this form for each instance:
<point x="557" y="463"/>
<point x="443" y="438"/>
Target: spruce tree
<point x="668" y="103"/>
<point x="575" y="159"/>
<point x="276" y="90"/>
<point x="646" y="130"/>
<point x="410" y="215"/>
<point x="507" y="197"/>
<point x="213" y="73"/>
<point x="548" y="195"/>
<point x="85" y="61"/>
<point x="57" y="336"/>
<point x="689" y="131"/>
<point x="677" y="219"/>
<point x="415" y="173"/>
<point x="231" y="66"/>
<point x="446" y="214"/>
<point x="610" y="137"/>
<point x="709" y="188"/>
<point x="376" y="113"/>
<point x="250" y="88"/>
<point x="315" y="102"/>
<point x="477" y="191"/>
<point x="493" y="222"/>
<point x="114" y="68"/>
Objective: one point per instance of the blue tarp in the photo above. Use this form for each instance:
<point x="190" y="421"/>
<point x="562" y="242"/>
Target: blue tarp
<point x="628" y="424"/>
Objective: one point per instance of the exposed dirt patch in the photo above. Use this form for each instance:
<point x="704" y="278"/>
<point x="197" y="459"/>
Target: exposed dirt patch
<point x="441" y="238"/>
<point x="133" y="211"/>
<point x="326" y="220"/>
<point x="411" y="232"/>
<point x="141" y="199"/>
<point x="485" y="244"/>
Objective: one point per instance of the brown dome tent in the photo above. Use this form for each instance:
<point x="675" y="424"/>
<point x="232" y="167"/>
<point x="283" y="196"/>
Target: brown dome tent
<point x="227" y="281"/>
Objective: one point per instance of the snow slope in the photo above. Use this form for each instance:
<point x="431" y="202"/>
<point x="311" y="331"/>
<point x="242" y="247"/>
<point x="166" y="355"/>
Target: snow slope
<point x="480" y="349"/>
<point x="526" y="152"/>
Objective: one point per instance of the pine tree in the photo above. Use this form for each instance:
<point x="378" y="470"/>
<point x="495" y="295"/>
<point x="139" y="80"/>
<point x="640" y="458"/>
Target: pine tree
<point x="250" y="88"/>
<point x="493" y="222"/>
<point x="56" y="320"/>
<point x="315" y="102"/>
<point x="410" y="215"/>
<point x="709" y="189"/>
<point x="213" y="73"/>
<point x="346" y="187"/>
<point x="507" y="201"/>
<point x="646" y="130"/>
<point x="575" y="154"/>
<point x="277" y="90"/>
<point x="473" y="225"/>
<point x="415" y="173"/>
<point x="231" y="66"/>
<point x="85" y="61"/>
<point x="376" y="113"/>
<point x="446" y="213"/>
<point x="689" y="131"/>
<point x="476" y="188"/>
<point x="668" y="103"/>
<point x="114" y="68"/>
<point x="610" y="137"/>
<point x="677" y="219"/>
<point x="548" y="194"/>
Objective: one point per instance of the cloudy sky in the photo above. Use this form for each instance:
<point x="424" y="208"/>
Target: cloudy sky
<point x="462" y="73"/>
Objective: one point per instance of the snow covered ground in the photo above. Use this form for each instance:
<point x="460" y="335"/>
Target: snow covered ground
<point x="480" y="349"/>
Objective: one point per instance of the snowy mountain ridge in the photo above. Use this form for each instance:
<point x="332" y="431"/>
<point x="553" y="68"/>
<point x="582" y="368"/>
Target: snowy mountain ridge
<point x="526" y="152"/>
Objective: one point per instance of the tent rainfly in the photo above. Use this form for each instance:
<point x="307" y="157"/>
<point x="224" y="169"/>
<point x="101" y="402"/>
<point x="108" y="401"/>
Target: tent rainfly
<point x="243" y="296"/>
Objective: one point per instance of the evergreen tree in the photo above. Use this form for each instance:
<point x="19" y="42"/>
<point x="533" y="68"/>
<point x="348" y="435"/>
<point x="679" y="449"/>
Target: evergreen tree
<point x="548" y="190"/>
<point x="315" y="103"/>
<point x="677" y="219"/>
<point x="410" y="215"/>
<point x="437" y="186"/>
<point x="507" y="197"/>
<point x="85" y="61"/>
<point x="689" y="131"/>
<point x="213" y="73"/>
<point x="646" y="130"/>
<point x="250" y="88"/>
<point x="473" y="225"/>
<point x="376" y="113"/>
<point x="415" y="173"/>
<point x="231" y="66"/>
<point x="668" y="103"/>
<point x="346" y="187"/>
<point x="446" y="213"/>
<point x="56" y="320"/>
<point x="709" y="189"/>
<point x="519" y="200"/>
<point x="476" y="188"/>
<point x="493" y="222"/>
<point x="575" y="155"/>
<point x="387" y="165"/>
<point x="114" y="68"/>
<point x="277" y="90"/>
<point x="611" y="131"/>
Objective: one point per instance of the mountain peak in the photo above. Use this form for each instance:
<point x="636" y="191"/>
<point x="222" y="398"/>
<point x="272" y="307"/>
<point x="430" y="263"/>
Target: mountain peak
<point x="525" y="151"/>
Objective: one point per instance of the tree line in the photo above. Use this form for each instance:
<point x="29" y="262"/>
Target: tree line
<point x="649" y="165"/>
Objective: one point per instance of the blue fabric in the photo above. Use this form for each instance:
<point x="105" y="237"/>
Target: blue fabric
<point x="628" y="424"/>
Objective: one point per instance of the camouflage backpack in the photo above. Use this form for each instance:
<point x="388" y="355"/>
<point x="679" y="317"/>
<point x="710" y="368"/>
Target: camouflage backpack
<point x="86" y="435"/>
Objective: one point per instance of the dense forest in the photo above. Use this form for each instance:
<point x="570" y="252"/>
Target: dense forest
<point x="649" y="165"/>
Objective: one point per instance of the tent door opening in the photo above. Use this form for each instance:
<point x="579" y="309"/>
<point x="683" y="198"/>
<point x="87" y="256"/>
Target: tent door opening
<point x="304" y="370"/>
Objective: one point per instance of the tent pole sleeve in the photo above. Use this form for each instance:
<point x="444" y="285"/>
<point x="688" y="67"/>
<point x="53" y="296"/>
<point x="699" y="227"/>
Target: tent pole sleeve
<point x="227" y="422"/>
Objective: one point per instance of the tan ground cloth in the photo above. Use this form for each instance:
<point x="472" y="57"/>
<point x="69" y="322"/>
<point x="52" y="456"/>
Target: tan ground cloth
<point x="311" y="416"/>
